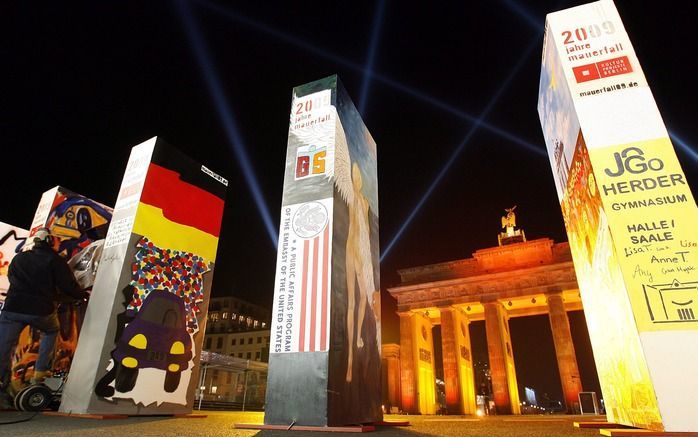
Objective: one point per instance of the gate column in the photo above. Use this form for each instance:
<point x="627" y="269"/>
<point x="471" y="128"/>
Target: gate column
<point x="564" y="351"/>
<point x="502" y="370"/>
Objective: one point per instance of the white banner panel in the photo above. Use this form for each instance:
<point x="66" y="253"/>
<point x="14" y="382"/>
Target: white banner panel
<point x="303" y="272"/>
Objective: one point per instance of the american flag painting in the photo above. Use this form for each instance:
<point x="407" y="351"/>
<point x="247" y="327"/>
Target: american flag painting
<point x="314" y="301"/>
<point x="302" y="292"/>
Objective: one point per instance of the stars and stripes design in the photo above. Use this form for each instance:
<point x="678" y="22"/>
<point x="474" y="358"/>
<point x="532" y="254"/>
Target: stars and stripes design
<point x="314" y="302"/>
<point x="301" y="321"/>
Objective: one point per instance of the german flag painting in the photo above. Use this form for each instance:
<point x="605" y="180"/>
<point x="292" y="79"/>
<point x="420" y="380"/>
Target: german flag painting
<point x="179" y="215"/>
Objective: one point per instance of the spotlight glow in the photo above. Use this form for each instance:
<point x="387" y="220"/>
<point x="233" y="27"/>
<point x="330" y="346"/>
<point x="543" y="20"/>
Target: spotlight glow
<point x="216" y="91"/>
<point x="373" y="44"/>
<point x="514" y="71"/>
<point x="417" y="94"/>
<point x="684" y="146"/>
<point x="527" y="16"/>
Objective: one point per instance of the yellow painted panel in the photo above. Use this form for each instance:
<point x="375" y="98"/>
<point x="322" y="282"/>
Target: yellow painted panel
<point x="652" y="216"/>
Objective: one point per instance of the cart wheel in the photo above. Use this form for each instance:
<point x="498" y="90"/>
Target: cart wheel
<point x="34" y="398"/>
<point x="15" y="400"/>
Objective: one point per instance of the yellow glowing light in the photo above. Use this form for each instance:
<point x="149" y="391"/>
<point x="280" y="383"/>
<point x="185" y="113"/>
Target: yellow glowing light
<point x="139" y="341"/>
<point x="177" y="348"/>
<point x="130" y="362"/>
<point x="479" y="413"/>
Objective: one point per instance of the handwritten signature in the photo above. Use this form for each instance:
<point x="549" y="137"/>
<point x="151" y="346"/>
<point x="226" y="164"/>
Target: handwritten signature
<point x="640" y="272"/>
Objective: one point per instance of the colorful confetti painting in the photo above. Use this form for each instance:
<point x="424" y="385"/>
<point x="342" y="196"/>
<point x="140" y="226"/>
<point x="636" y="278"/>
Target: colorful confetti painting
<point x="178" y="272"/>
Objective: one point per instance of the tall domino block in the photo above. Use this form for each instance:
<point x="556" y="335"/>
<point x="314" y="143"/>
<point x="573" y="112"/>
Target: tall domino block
<point x="324" y="364"/>
<point x="75" y="222"/>
<point x="141" y="341"/>
<point x="630" y="218"/>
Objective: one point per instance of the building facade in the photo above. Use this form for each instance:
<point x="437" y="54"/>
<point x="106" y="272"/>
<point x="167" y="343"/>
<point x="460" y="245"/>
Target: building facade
<point x="236" y="345"/>
<point x="238" y="329"/>
<point x="249" y="345"/>
<point x="230" y="314"/>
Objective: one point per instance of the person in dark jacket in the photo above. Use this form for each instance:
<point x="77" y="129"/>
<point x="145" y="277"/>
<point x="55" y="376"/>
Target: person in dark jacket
<point x="36" y="276"/>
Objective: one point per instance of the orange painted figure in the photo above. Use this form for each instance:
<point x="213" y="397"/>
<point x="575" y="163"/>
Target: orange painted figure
<point x="359" y="266"/>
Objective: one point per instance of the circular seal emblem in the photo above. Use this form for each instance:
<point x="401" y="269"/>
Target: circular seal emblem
<point x="310" y="219"/>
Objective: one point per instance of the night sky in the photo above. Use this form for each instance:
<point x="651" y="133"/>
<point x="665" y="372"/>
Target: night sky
<point x="83" y="84"/>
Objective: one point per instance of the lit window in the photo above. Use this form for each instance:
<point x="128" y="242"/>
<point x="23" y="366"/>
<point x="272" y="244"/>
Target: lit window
<point x="213" y="316"/>
<point x="225" y="315"/>
<point x="256" y="323"/>
<point x="264" y="324"/>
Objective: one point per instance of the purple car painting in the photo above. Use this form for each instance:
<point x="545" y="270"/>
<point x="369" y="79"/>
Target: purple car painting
<point x="156" y="338"/>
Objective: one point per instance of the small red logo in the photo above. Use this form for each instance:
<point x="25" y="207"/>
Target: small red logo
<point x="598" y="70"/>
<point x="585" y="73"/>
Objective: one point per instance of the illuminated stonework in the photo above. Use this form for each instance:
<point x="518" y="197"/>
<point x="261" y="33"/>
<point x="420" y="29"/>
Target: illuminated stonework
<point x="496" y="284"/>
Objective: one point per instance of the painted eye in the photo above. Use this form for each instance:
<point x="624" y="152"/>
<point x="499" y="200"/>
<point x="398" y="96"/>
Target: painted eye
<point x="84" y="219"/>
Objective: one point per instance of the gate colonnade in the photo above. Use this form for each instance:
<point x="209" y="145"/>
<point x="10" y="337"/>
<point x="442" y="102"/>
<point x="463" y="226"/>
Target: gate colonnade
<point x="496" y="284"/>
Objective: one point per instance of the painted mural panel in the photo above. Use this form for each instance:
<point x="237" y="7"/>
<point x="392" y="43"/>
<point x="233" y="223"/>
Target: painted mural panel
<point x="325" y="344"/>
<point x="78" y="223"/>
<point x="154" y="285"/>
<point x="11" y="241"/>
<point x="629" y="213"/>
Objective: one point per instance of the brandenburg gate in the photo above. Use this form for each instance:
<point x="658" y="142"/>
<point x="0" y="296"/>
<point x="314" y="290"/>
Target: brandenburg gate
<point x="516" y="279"/>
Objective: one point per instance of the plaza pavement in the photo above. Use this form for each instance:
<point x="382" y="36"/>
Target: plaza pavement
<point x="221" y="424"/>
